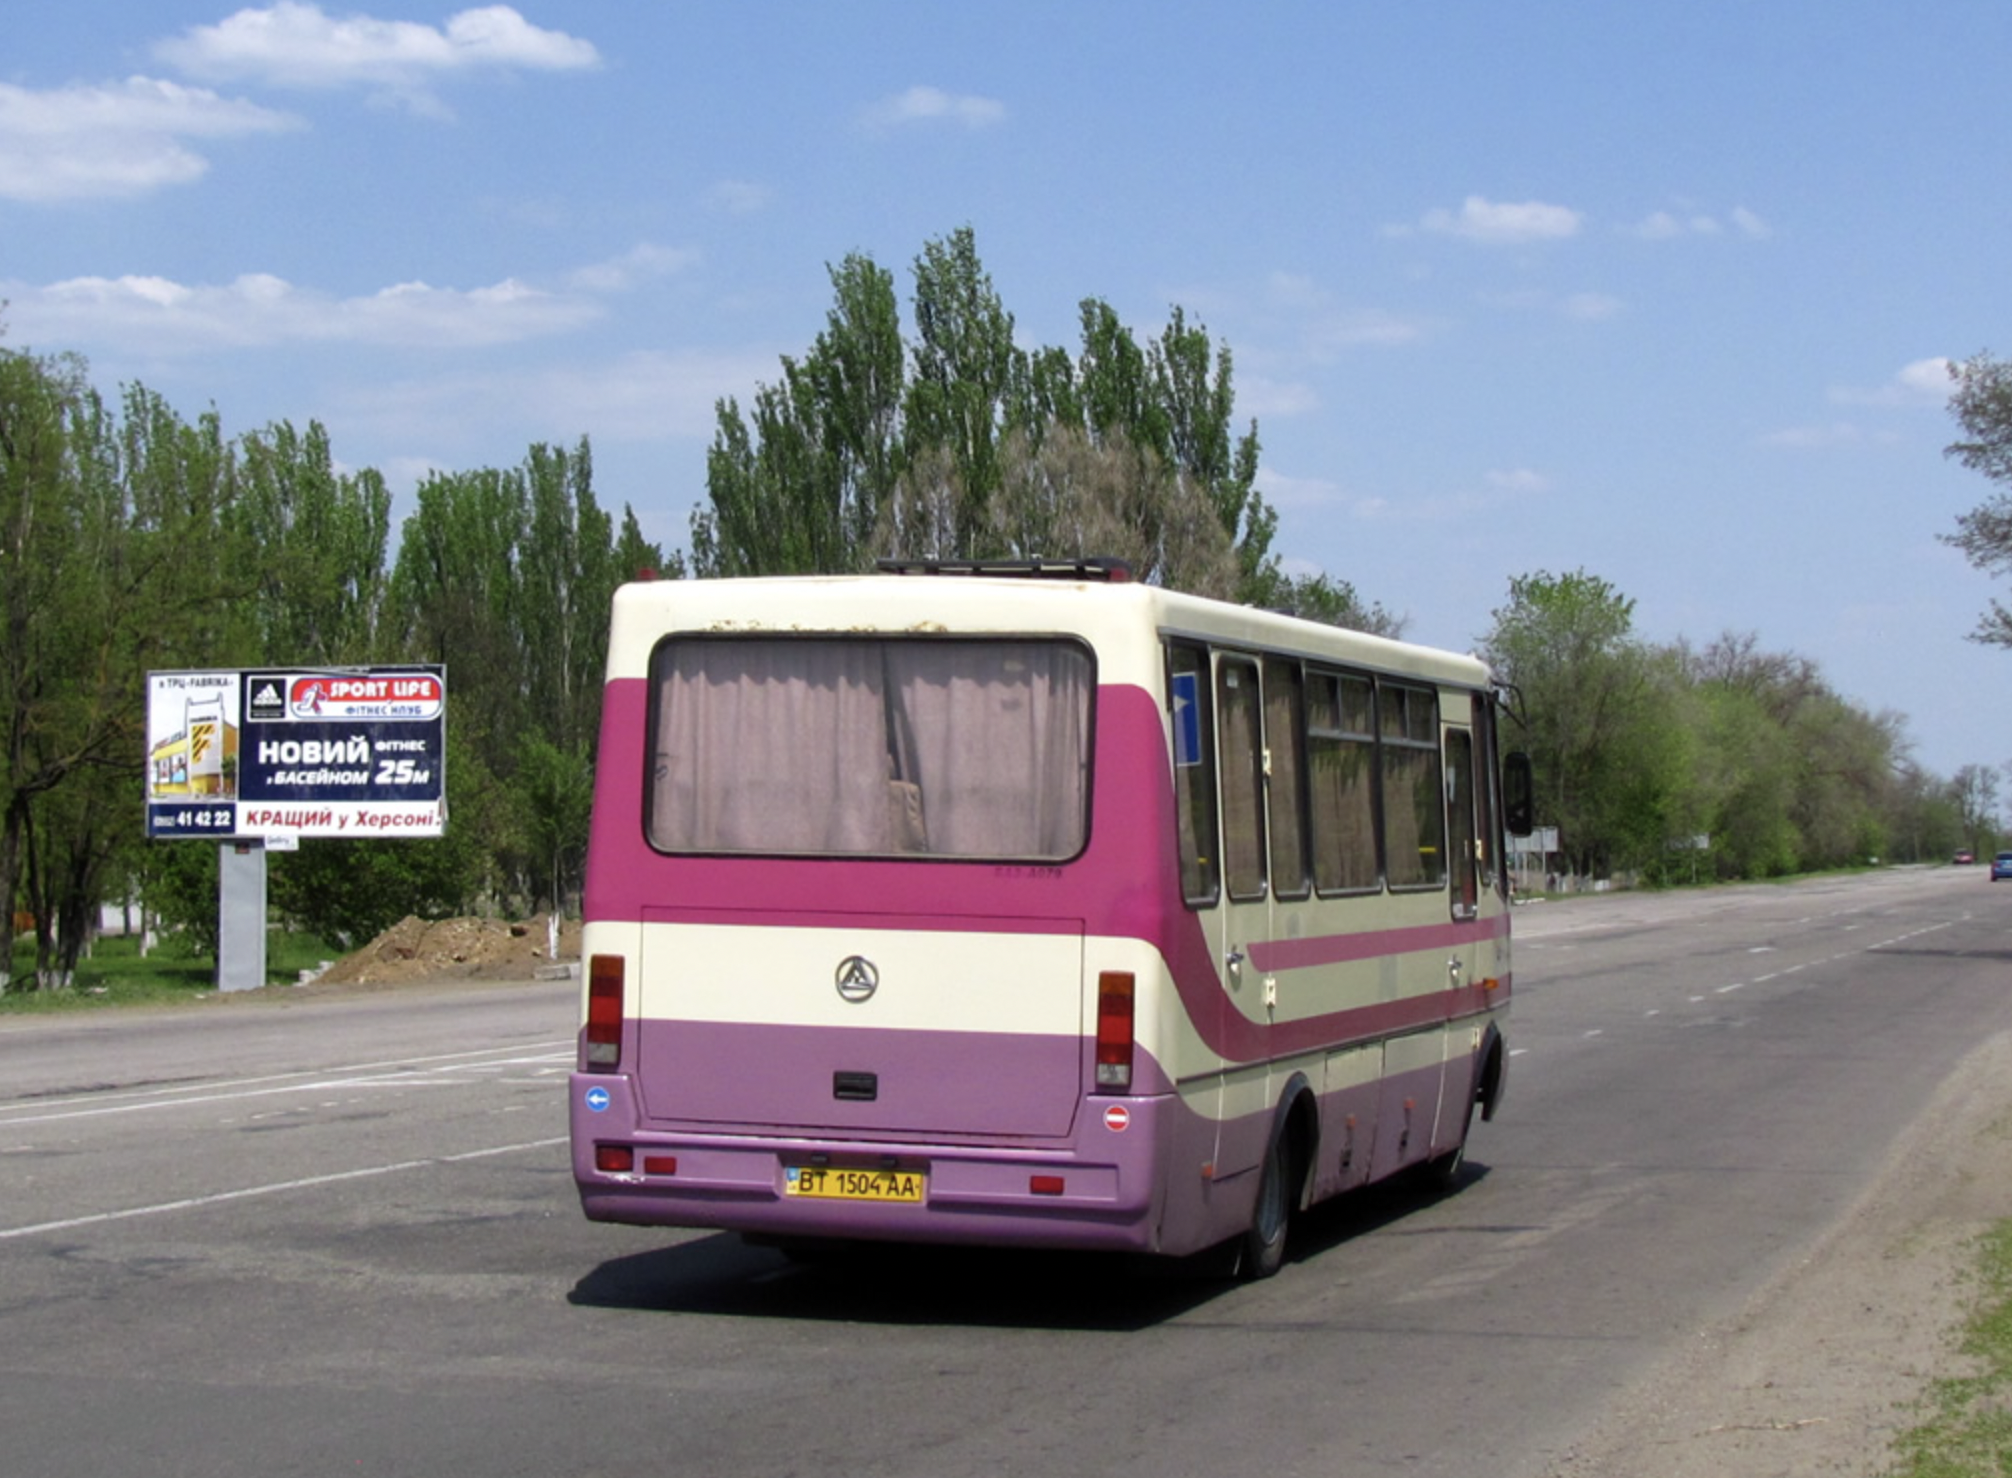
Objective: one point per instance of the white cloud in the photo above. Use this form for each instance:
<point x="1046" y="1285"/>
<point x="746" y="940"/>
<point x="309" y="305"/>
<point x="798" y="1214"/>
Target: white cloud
<point x="1591" y="307"/>
<point x="1283" y="491"/>
<point x="739" y="197"/>
<point x="1261" y="396"/>
<point x="932" y="105"/>
<point x="1518" y="480"/>
<point x="294" y="44"/>
<point x="1821" y="438"/>
<point x="638" y="397"/>
<point x="1663" y="225"/>
<point x="1923" y="382"/>
<point x="1750" y="224"/>
<point x="259" y="310"/>
<point x="1928" y="377"/>
<point x="1326" y="327"/>
<point x="1585" y="307"/>
<point x="115" y="139"/>
<point x="639" y="264"/>
<point x="1499" y="223"/>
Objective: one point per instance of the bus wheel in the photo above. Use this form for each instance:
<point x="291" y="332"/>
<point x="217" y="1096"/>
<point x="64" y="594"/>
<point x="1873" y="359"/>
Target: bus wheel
<point x="1263" y="1248"/>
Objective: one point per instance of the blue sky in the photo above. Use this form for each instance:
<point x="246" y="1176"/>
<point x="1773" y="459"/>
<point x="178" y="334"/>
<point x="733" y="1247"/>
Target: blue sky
<point x="1660" y="292"/>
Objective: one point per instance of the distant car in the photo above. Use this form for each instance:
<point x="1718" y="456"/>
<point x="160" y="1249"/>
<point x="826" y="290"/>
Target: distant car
<point x="1963" y="859"/>
<point x="2001" y="866"/>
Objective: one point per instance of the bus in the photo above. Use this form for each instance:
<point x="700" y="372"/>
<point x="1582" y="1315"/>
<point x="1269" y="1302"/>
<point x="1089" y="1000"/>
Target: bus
<point x="1024" y="904"/>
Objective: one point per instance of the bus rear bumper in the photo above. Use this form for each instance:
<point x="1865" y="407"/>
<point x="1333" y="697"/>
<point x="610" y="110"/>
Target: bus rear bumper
<point x="1094" y="1190"/>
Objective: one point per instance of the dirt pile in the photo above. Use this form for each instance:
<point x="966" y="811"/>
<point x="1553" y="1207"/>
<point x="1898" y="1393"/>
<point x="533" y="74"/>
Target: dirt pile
<point x="466" y="949"/>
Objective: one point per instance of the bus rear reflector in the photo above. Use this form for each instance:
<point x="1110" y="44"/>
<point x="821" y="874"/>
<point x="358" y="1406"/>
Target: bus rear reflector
<point x="1114" y="1030"/>
<point x="1045" y="1185"/>
<point x="605" y="975"/>
<point x="614" y="1159"/>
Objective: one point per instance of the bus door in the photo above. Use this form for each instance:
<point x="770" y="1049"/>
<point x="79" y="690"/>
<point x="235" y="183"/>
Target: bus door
<point x="1191" y="718"/>
<point x="1243" y="917"/>
<point x="1470" y="960"/>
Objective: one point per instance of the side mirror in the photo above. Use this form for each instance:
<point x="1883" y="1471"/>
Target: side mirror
<point x="1519" y="795"/>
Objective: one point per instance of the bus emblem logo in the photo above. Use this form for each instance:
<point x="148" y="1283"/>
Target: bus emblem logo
<point x="858" y="978"/>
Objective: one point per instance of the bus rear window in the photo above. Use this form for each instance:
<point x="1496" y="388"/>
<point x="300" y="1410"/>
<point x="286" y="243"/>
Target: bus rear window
<point x="812" y="746"/>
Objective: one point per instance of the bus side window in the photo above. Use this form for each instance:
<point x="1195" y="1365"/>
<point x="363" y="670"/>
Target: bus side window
<point x="1194" y="772"/>
<point x="1341" y="764"/>
<point x="1463" y="838"/>
<point x="1414" y="798"/>
<point x="1241" y="725"/>
<point x="1488" y="795"/>
<point x="1285" y="754"/>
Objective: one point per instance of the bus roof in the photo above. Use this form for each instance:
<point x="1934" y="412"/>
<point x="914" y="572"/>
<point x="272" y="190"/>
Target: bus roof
<point x="1108" y="614"/>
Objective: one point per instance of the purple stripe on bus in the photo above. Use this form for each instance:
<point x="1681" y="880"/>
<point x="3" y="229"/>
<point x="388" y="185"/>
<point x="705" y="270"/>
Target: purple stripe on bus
<point x="1341" y="949"/>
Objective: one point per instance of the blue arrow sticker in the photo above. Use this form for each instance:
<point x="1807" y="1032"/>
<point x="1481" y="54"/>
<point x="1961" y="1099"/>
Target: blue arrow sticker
<point x="598" y="1100"/>
<point x="1187" y="720"/>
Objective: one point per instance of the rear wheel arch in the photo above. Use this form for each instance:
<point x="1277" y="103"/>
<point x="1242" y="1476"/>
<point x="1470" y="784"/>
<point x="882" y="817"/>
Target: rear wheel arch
<point x="1285" y="1180"/>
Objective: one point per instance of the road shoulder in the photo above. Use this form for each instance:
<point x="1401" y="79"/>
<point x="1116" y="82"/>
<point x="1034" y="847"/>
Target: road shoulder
<point x="1826" y="1364"/>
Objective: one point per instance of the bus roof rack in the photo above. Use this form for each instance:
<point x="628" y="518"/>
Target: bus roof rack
<point x="1098" y="567"/>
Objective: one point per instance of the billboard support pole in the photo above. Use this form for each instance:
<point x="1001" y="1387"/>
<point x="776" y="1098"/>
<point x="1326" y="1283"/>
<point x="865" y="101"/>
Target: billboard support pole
<point x="241" y="932"/>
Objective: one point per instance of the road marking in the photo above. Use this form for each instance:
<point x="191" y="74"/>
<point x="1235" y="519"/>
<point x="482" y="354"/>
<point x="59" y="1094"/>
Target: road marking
<point x="369" y="1075"/>
<point x="542" y="1052"/>
<point x="305" y="1183"/>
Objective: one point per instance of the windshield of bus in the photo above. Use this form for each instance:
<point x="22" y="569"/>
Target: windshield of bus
<point x="884" y="746"/>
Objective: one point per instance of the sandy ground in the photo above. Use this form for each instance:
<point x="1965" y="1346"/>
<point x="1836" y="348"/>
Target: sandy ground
<point x="457" y="949"/>
<point x="1824" y="1366"/>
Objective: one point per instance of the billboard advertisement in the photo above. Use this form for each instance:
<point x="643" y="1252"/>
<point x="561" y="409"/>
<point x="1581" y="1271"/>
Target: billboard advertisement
<point x="278" y="754"/>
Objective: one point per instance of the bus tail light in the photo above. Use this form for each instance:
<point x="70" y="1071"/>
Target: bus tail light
<point x="1114" y="1030"/>
<point x="605" y="975"/>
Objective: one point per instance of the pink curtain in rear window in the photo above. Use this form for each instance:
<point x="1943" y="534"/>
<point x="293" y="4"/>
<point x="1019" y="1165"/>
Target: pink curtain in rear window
<point x="964" y="749"/>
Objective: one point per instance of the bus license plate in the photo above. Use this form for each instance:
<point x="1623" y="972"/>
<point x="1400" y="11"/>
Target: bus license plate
<point x="827" y="1183"/>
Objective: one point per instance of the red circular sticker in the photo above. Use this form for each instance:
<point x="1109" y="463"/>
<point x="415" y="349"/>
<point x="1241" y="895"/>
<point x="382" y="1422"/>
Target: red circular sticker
<point x="1117" y="1117"/>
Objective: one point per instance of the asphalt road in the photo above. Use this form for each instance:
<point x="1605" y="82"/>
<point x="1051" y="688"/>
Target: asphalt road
<point x="338" y="1236"/>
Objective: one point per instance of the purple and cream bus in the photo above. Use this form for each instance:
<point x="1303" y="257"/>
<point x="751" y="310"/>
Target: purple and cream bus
<point x="1023" y="904"/>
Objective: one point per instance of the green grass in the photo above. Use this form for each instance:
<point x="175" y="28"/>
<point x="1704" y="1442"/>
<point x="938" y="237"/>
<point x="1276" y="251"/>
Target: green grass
<point x="116" y="975"/>
<point x="1968" y="1429"/>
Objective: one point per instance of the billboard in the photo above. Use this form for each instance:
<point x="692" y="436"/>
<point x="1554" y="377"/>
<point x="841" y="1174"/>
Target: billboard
<point x="278" y="754"/>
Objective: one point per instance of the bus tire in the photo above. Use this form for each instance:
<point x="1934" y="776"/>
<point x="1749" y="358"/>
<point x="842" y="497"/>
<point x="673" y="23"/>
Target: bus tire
<point x="1262" y="1251"/>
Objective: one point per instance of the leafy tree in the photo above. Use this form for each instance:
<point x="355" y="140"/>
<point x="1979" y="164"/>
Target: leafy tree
<point x="505" y="576"/>
<point x="321" y="539"/>
<point x="111" y="562"/>
<point x="1982" y="405"/>
<point x="1566" y="643"/>
<point x="456" y="598"/>
<point x="1320" y="597"/>
<point x="800" y="490"/>
<point x="963" y="370"/>
<point x="554" y="790"/>
<point x="843" y="458"/>
<point x="1974" y="790"/>
<point x="1921" y="818"/>
<point x="1063" y="494"/>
